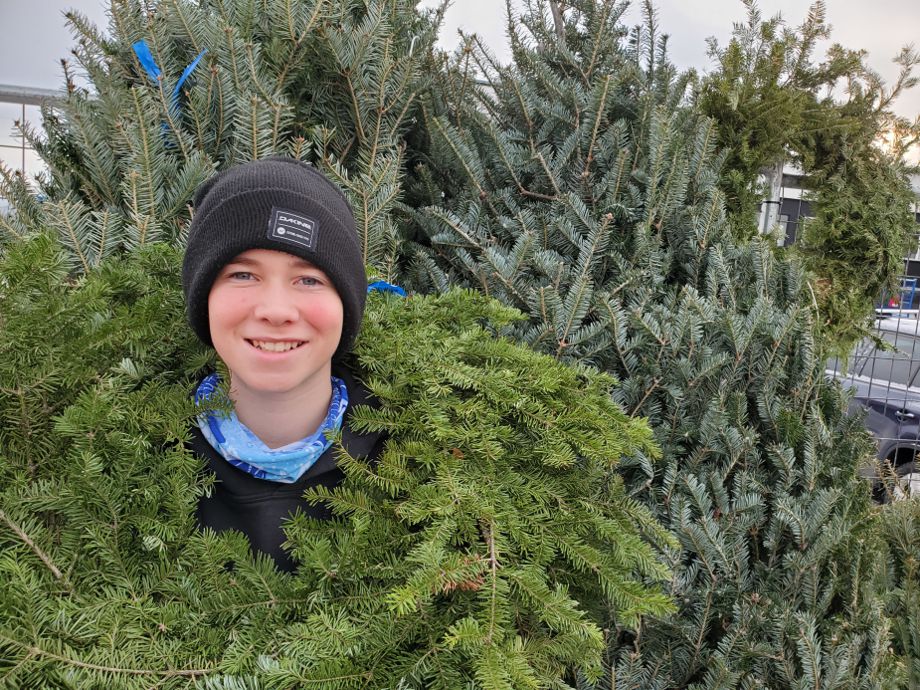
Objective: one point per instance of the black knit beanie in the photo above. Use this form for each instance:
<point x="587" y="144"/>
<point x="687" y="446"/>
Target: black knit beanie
<point x="275" y="203"/>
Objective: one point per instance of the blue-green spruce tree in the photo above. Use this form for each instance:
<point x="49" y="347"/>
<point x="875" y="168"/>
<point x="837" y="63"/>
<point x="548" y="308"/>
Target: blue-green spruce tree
<point x="591" y="202"/>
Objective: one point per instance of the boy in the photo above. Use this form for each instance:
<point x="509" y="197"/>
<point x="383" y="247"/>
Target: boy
<point x="274" y="280"/>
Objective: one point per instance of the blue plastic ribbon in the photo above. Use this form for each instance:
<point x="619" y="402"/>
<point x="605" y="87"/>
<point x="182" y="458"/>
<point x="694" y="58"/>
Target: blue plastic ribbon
<point x="187" y="71"/>
<point x="384" y="286"/>
<point x="142" y="50"/>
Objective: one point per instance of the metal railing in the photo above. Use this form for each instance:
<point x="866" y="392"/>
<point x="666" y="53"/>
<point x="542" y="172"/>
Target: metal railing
<point x="25" y="96"/>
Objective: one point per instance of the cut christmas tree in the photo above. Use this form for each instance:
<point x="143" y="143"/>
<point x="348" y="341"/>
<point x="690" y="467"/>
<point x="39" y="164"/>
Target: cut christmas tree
<point x="484" y="549"/>
<point x="592" y="204"/>
<point x="178" y="89"/>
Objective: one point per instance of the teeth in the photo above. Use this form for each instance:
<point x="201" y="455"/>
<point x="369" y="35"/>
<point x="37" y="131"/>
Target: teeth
<point x="282" y="346"/>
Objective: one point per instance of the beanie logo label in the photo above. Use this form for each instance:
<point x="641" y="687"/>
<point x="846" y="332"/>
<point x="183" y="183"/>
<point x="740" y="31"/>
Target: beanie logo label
<point x="293" y="228"/>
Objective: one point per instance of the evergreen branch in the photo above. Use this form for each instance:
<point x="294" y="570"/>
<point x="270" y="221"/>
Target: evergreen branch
<point x="228" y="32"/>
<point x="715" y="212"/>
<point x="519" y="95"/>
<point x="384" y="206"/>
<point x="465" y="80"/>
<point x="589" y="158"/>
<point x="276" y="128"/>
<point x="253" y="73"/>
<point x="273" y="600"/>
<point x="218" y="137"/>
<point x="103" y="235"/>
<point x="582" y="282"/>
<point x="503" y="154"/>
<point x="702" y="159"/>
<point x="500" y="149"/>
<point x="254" y="130"/>
<point x="537" y="195"/>
<point x="267" y="604"/>
<point x="58" y="575"/>
<point x="71" y="231"/>
<point x="172" y="673"/>
<point x="545" y="314"/>
<point x="397" y="123"/>
<point x="451" y="96"/>
<point x="485" y="103"/>
<point x="82" y="173"/>
<point x="148" y="158"/>
<point x="458" y="155"/>
<point x="198" y="125"/>
<point x="289" y="12"/>
<point x="8" y="226"/>
<point x="699" y="550"/>
<point x="139" y="221"/>
<point x="164" y="102"/>
<point x="323" y="681"/>
<point x="343" y="154"/>
<point x="493" y="567"/>
<point x="177" y="7"/>
<point x="621" y="169"/>
<point x="549" y="174"/>
<point x="651" y="389"/>
<point x="602" y="28"/>
<point x="359" y="122"/>
<point x="621" y="354"/>
<point x="703" y="626"/>
<point x="167" y="110"/>
<point x="508" y="282"/>
<point x="298" y="42"/>
<point x="22" y="662"/>
<point x="381" y="110"/>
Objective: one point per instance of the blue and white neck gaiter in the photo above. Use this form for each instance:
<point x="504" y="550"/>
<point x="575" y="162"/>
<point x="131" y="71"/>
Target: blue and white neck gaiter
<point x="243" y="449"/>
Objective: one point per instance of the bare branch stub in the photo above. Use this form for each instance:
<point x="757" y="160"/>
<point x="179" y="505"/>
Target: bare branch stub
<point x="557" y="20"/>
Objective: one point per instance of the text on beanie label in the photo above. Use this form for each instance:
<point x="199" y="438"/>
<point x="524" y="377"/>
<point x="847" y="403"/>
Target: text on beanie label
<point x="293" y="228"/>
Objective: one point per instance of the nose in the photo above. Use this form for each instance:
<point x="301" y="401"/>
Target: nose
<point x="275" y="306"/>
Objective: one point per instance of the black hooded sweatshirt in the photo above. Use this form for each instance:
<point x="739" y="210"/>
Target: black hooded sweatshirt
<point x="257" y="507"/>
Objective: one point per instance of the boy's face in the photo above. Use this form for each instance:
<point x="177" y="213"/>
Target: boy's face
<point x="276" y="321"/>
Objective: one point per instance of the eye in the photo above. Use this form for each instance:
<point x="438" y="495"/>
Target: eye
<point x="239" y="275"/>
<point x="312" y="280"/>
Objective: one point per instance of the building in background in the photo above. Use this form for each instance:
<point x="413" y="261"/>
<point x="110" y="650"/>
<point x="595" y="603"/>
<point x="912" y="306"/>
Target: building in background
<point x="790" y="208"/>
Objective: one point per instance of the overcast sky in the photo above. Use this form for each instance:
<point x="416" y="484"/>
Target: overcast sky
<point x="880" y="27"/>
<point x="33" y="37"/>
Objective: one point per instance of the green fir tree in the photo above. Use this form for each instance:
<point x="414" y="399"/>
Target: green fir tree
<point x="593" y="205"/>
<point x="334" y="83"/>
<point x="774" y="101"/>
<point x="900" y="524"/>
<point x="485" y="549"/>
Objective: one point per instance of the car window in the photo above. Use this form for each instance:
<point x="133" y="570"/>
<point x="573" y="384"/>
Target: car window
<point x="897" y="366"/>
<point x="910" y="343"/>
<point x="862" y="355"/>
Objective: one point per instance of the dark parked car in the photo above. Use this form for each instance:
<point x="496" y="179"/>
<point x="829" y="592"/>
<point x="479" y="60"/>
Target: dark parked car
<point x="886" y="385"/>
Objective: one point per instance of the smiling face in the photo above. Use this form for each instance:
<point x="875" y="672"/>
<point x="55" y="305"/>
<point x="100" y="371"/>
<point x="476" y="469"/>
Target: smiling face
<point x="275" y="321"/>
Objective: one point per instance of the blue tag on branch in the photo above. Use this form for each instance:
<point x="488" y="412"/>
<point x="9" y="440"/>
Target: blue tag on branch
<point x="384" y="286"/>
<point x="145" y="57"/>
<point x="185" y="74"/>
<point x="149" y="63"/>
